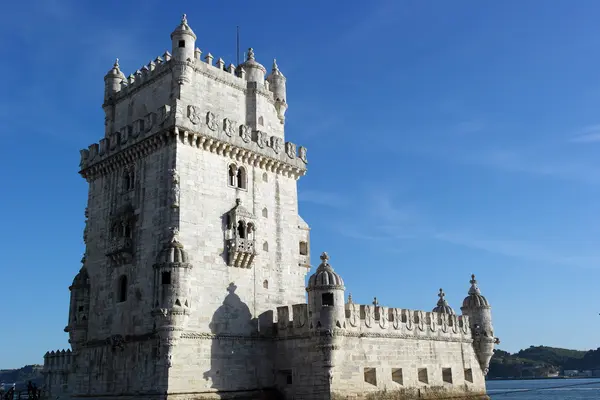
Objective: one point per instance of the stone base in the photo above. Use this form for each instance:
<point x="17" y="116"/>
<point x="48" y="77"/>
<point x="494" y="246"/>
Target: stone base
<point x="416" y="393"/>
<point x="262" y="394"/>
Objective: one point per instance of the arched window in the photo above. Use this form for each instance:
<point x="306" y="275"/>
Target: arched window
<point x="265" y="212"/>
<point x="266" y="284"/>
<point x="232" y="174"/>
<point x="265" y="246"/>
<point x="122" y="294"/>
<point x="261" y="121"/>
<point x="241" y="230"/>
<point x="265" y="177"/>
<point x="241" y="178"/>
<point x="250" y="231"/>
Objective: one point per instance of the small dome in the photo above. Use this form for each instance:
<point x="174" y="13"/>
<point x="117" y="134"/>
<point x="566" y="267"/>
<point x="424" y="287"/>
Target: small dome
<point x="81" y="279"/>
<point x="115" y="71"/>
<point x="172" y="253"/>
<point x="275" y="72"/>
<point x="442" y="305"/>
<point x="325" y="276"/>
<point x="474" y="299"/>
<point x="251" y="64"/>
<point x="183" y="28"/>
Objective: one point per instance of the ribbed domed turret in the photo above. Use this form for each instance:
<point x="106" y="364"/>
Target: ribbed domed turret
<point x="442" y="305"/>
<point x="325" y="276"/>
<point x="474" y="299"/>
<point x="172" y="253"/>
<point x="255" y="72"/>
<point x="183" y="29"/>
<point x="81" y="279"/>
<point x="115" y="72"/>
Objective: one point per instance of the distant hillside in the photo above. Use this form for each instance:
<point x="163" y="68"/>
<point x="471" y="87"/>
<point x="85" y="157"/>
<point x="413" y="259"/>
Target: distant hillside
<point x="22" y="375"/>
<point x="540" y="361"/>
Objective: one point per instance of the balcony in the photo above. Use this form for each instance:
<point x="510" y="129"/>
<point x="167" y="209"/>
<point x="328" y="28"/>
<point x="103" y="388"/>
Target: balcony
<point x="241" y="252"/>
<point x="120" y="250"/>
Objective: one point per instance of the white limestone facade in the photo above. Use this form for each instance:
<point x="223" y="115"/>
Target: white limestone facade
<point x="192" y="284"/>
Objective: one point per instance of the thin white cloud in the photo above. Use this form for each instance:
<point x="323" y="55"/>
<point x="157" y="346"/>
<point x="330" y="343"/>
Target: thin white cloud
<point x="321" y="198"/>
<point x="589" y="134"/>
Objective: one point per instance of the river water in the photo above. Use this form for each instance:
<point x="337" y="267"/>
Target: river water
<point x="545" y="389"/>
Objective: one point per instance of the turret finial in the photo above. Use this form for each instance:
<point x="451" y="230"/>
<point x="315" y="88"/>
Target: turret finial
<point x="441" y="294"/>
<point x="350" y="298"/>
<point x="474" y="288"/>
<point x="275" y="67"/>
<point x="250" y="54"/>
<point x="174" y="234"/>
<point x="184" y="19"/>
<point x="324" y="257"/>
<point x="116" y="64"/>
<point x="375" y="302"/>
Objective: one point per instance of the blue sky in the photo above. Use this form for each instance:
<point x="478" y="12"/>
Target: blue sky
<point x="445" y="138"/>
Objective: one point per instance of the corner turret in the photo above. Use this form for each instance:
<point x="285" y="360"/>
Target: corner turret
<point x="326" y="297"/>
<point x="79" y="309"/>
<point x="477" y="308"/>
<point x="171" y="277"/>
<point x="277" y="85"/>
<point x="442" y="306"/>
<point x="112" y="81"/>
<point x="183" y="41"/>
<point x="254" y="71"/>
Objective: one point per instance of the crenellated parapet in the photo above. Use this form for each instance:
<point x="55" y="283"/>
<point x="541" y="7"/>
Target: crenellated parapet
<point x="384" y="321"/>
<point x="292" y="321"/>
<point x="58" y="361"/>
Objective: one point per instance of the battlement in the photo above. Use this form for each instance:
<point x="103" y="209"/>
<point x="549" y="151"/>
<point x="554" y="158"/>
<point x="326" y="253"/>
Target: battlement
<point x="367" y="319"/>
<point x="292" y="321"/>
<point x="59" y="360"/>
<point x="163" y="64"/>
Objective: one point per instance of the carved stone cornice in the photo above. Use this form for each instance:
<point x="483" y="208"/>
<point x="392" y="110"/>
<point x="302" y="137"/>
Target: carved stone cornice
<point x="207" y="142"/>
<point x="127" y="156"/>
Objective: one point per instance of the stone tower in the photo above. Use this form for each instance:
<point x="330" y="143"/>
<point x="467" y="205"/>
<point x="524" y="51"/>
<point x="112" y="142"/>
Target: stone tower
<point x="192" y="224"/>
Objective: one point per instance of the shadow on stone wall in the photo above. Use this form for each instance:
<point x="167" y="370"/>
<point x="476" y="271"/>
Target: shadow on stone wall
<point x="231" y="368"/>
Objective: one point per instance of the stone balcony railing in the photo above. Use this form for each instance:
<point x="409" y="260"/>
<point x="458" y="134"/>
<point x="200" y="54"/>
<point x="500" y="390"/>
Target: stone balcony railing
<point x="120" y="250"/>
<point x="241" y="252"/>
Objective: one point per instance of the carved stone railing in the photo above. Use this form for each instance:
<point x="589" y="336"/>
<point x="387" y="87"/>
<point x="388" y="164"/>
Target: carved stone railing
<point x="241" y="252"/>
<point x="120" y="250"/>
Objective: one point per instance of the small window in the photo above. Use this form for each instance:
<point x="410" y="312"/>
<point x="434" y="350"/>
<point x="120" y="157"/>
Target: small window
<point x="265" y="212"/>
<point x="80" y="308"/>
<point x="128" y="231"/>
<point x="327" y="300"/>
<point x="241" y="178"/>
<point x="265" y="246"/>
<point x="241" y="230"/>
<point x="397" y="376"/>
<point x="166" y="278"/>
<point x="261" y="121"/>
<point x="469" y="375"/>
<point x="423" y="378"/>
<point x="232" y="174"/>
<point x="447" y="375"/>
<point x="122" y="295"/>
<point x="370" y="376"/>
<point x="303" y="248"/>
<point x="266" y="284"/>
<point x="182" y="43"/>
<point x="265" y="177"/>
